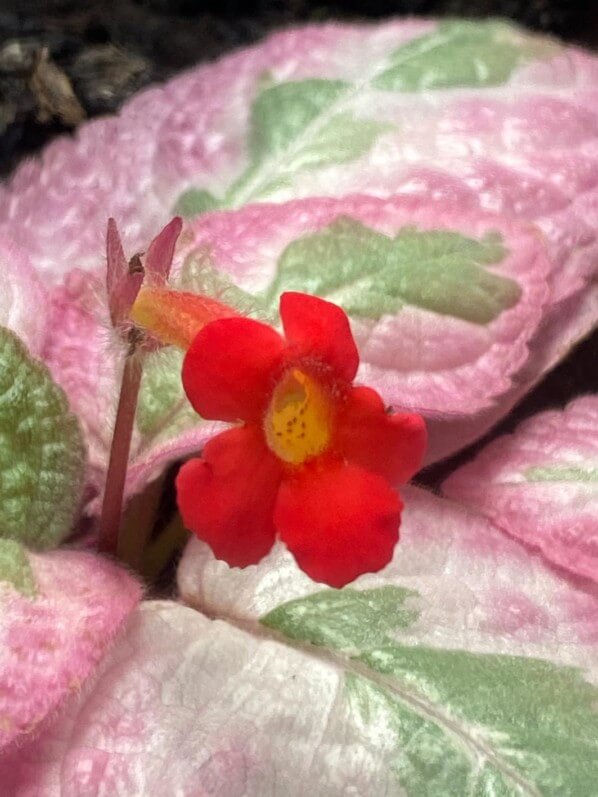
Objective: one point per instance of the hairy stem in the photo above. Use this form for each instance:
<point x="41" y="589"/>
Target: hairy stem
<point x="119" y="455"/>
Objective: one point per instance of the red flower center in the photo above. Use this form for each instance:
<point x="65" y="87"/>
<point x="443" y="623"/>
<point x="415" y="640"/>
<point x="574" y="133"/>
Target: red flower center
<point x="299" y="419"/>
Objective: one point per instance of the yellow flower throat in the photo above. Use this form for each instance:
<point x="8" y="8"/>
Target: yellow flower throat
<point x="298" y="422"/>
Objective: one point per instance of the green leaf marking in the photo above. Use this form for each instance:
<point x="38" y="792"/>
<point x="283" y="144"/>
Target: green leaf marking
<point x="42" y="455"/>
<point x="422" y="756"/>
<point x="369" y="273"/>
<point x="360" y="618"/>
<point x="562" y="473"/>
<point x="16" y="569"/>
<point x="280" y="114"/>
<point x="291" y="130"/>
<point x="452" y="722"/>
<point x="162" y="405"/>
<point x="536" y="722"/>
<point x="306" y="124"/>
<point x="195" y="201"/>
<point x="463" y="53"/>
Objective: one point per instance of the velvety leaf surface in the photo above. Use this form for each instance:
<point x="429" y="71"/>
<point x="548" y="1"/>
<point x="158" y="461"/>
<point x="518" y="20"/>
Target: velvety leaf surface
<point x="477" y="591"/>
<point x="58" y="613"/>
<point x="22" y="297"/>
<point x="85" y="358"/>
<point x="135" y="166"/>
<point x="474" y="579"/>
<point x="541" y="484"/>
<point x="437" y="297"/>
<point x="465" y="116"/>
<point x="530" y="150"/>
<point x="371" y="274"/>
<point x="42" y="453"/>
<point x="461" y="53"/>
<point x="185" y="705"/>
<point x="15" y="568"/>
<point x="565" y="324"/>
<point x="466" y="666"/>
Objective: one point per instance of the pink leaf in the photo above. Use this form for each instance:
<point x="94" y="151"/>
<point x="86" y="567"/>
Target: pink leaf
<point x="133" y="166"/>
<point x="565" y="325"/>
<point x="458" y="559"/>
<point x="526" y="150"/>
<point x="540" y="484"/>
<point x="85" y="356"/>
<point x="51" y="643"/>
<point x="22" y="297"/>
<point x="416" y="357"/>
<point x="189" y="705"/>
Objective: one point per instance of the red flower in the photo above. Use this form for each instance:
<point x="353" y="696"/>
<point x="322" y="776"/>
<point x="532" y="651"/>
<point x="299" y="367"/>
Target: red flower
<point x="315" y="457"/>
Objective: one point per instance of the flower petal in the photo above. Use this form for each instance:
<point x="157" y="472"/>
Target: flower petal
<point x="338" y="521"/>
<point x="317" y="327"/>
<point x="392" y="445"/>
<point x="227" y="497"/>
<point x="227" y="373"/>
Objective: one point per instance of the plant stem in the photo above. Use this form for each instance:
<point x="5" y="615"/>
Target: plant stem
<point x="119" y="455"/>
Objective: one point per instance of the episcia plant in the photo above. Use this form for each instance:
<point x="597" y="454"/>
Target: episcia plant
<point x="383" y="224"/>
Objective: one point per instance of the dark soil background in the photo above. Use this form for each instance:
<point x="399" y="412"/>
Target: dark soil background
<point x="62" y="61"/>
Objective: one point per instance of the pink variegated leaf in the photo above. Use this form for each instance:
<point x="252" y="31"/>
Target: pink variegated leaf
<point x="443" y="302"/>
<point x="59" y="612"/>
<point x="541" y="485"/>
<point x="85" y="357"/>
<point x="22" y="297"/>
<point x="566" y="324"/>
<point x="337" y="111"/>
<point x="134" y="166"/>
<point x="529" y="151"/>
<point x="487" y="313"/>
<point x="456" y="560"/>
<point x="452" y="671"/>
